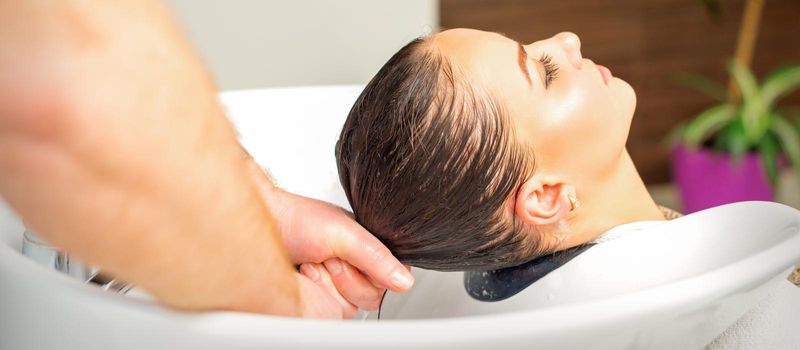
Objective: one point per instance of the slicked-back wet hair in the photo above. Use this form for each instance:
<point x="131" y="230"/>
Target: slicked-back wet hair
<point x="430" y="163"/>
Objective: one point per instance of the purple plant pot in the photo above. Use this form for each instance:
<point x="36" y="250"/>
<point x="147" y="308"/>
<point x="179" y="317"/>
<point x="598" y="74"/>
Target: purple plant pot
<point x="707" y="179"/>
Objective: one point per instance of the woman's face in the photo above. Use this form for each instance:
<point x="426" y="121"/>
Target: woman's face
<point x="572" y="112"/>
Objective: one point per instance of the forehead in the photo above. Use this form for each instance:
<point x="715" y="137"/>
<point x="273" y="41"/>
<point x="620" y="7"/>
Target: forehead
<point x="469" y="46"/>
<point x="455" y="40"/>
<point x="483" y="57"/>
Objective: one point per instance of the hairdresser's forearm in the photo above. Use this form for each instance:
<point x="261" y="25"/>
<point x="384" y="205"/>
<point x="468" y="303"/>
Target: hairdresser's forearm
<point x="183" y="222"/>
<point x="113" y="147"/>
<point x="194" y="237"/>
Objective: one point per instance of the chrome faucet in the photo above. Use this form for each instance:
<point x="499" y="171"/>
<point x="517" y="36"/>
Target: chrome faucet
<point x="53" y="258"/>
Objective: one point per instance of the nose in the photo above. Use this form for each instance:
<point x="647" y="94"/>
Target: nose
<point x="572" y="47"/>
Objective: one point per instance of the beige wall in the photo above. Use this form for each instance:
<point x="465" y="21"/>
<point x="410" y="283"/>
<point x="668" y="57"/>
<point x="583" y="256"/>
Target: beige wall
<point x="257" y="43"/>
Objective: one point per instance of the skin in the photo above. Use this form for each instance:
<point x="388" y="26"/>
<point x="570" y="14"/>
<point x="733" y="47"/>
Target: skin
<point x="113" y="146"/>
<point x="576" y="129"/>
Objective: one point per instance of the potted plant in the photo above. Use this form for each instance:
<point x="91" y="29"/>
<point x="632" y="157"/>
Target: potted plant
<point x="733" y="151"/>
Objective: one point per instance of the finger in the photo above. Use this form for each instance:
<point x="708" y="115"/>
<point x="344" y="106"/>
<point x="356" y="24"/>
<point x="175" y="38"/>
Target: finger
<point x="372" y="280"/>
<point x="378" y="284"/>
<point x="316" y="303"/>
<point x="362" y="250"/>
<point x="353" y="285"/>
<point x="319" y="275"/>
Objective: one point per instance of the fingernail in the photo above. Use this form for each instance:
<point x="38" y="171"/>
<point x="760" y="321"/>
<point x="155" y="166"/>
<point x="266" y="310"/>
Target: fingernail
<point x="402" y="279"/>
<point x="334" y="266"/>
<point x="309" y="271"/>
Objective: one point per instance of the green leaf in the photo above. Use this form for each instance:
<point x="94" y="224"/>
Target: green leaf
<point x="707" y="123"/>
<point x="734" y="140"/>
<point x="756" y="119"/>
<point x="675" y="136"/>
<point x="754" y="111"/>
<point x="744" y="79"/>
<point x="721" y="141"/>
<point x="779" y="83"/>
<point x="702" y="84"/>
<point x="789" y="137"/>
<point x="768" y="150"/>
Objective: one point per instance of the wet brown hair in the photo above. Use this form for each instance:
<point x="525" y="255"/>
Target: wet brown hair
<point x="429" y="163"/>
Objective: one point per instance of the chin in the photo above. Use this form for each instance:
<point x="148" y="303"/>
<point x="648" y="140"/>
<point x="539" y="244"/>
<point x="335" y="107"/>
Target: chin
<point x="624" y="96"/>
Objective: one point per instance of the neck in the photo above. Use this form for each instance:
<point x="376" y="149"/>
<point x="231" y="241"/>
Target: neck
<point x="618" y="199"/>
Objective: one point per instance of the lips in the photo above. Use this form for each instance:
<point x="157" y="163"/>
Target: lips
<point x="605" y="73"/>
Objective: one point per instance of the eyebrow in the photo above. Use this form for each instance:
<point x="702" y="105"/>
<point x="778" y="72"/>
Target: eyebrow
<point x="522" y="59"/>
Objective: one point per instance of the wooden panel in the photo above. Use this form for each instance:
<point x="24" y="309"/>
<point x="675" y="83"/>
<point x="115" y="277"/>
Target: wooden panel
<point x="646" y="43"/>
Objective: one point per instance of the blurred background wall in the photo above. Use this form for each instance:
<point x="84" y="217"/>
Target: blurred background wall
<point x="256" y="43"/>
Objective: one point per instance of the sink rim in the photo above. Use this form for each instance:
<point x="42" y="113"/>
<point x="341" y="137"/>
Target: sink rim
<point x="711" y="285"/>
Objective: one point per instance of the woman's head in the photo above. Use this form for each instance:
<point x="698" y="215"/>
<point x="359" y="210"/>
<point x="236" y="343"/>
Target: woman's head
<point x="462" y="151"/>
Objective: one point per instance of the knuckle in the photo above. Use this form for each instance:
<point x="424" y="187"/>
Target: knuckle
<point x="379" y="254"/>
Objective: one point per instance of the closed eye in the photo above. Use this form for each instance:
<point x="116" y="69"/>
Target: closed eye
<point x="550" y="69"/>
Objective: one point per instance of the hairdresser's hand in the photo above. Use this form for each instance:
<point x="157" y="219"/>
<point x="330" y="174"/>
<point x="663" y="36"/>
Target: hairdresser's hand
<point x="336" y="247"/>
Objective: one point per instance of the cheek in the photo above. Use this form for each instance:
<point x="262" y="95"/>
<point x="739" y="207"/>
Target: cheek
<point x="585" y="127"/>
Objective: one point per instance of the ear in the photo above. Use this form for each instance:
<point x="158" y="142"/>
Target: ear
<point x="543" y="201"/>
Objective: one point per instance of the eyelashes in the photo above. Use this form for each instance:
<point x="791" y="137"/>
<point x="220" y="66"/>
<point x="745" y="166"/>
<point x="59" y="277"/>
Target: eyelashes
<point x="550" y="69"/>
